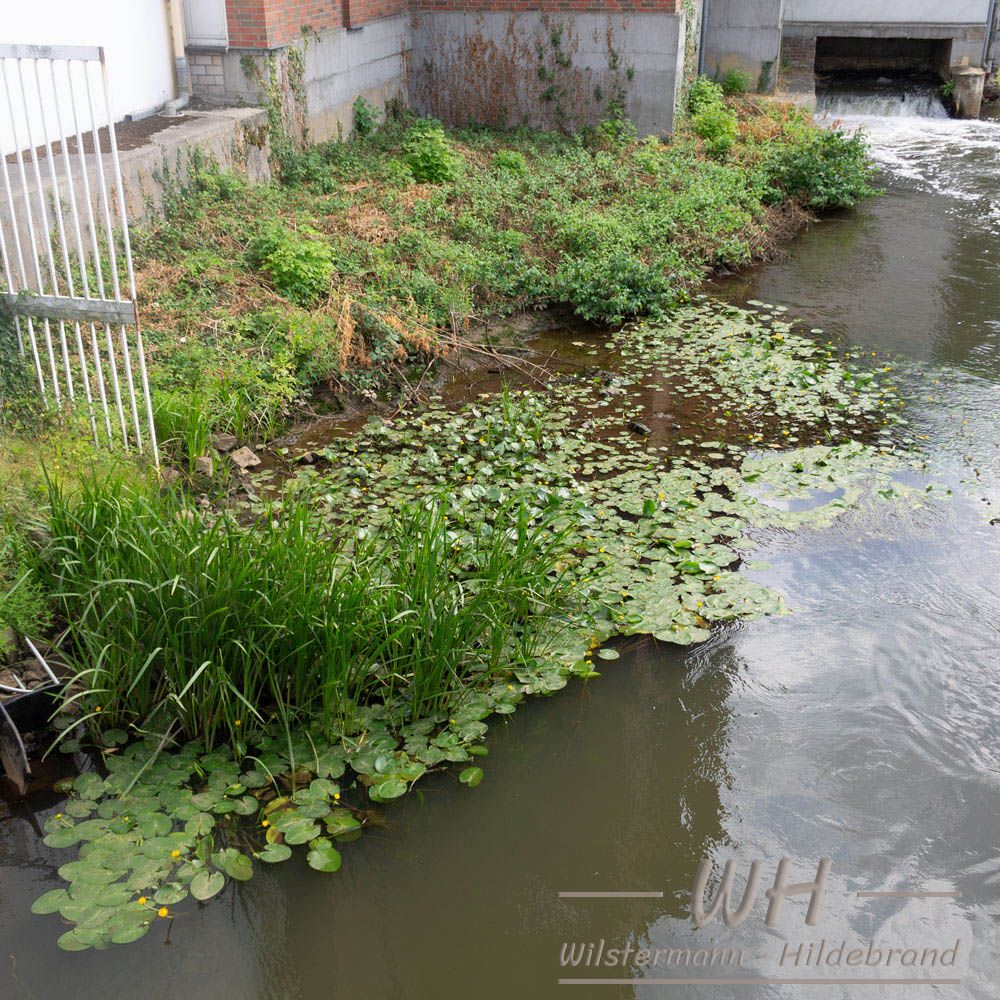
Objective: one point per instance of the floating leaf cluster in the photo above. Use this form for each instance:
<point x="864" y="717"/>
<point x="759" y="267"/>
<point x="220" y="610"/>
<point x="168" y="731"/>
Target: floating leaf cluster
<point x="715" y="423"/>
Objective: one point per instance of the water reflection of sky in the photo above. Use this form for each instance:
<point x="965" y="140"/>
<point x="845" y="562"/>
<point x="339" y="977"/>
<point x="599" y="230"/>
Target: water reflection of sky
<point x="914" y="272"/>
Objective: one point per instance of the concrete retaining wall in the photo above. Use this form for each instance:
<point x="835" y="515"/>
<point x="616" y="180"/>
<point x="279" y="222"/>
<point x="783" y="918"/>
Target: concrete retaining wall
<point x="233" y="138"/>
<point x="338" y="66"/>
<point x="547" y="70"/>
<point x="966" y="41"/>
<point x="887" y="11"/>
<point x="744" y="34"/>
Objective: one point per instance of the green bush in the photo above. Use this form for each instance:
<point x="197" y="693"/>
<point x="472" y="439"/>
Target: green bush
<point x="398" y="173"/>
<point x="365" y="117"/>
<point x="703" y="94"/>
<point x="307" y="167"/>
<point x="822" y="169"/>
<point x="222" y="185"/>
<point x="300" y="267"/>
<point x="430" y="155"/>
<point x="608" y="287"/>
<point x="616" y="132"/>
<point x="717" y="126"/>
<point x="736" y="81"/>
<point x="511" y="160"/>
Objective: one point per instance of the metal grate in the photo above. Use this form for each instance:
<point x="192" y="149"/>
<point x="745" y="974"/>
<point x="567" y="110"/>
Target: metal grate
<point x="64" y="240"/>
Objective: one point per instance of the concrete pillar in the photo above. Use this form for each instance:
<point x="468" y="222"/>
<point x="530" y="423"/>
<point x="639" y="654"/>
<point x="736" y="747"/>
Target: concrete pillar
<point x="967" y="97"/>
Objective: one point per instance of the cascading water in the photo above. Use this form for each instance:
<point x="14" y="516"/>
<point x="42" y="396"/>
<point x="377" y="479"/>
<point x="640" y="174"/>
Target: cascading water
<point x="880" y="98"/>
<point x="915" y="140"/>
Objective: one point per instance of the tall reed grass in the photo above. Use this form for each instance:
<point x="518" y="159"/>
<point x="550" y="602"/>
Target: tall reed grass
<point x="187" y="621"/>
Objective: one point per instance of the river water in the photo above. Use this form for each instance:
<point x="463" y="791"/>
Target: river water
<point x="864" y="728"/>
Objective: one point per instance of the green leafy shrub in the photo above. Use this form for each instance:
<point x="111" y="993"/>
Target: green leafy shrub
<point x="615" y="132"/>
<point x="300" y="267"/>
<point x="430" y="155"/>
<point x="703" y="94"/>
<point x="736" y="81"/>
<point x="511" y="161"/>
<point x="307" y="167"/>
<point x="398" y="173"/>
<point x="222" y="185"/>
<point x="649" y="154"/>
<point x="717" y="126"/>
<point x="823" y="169"/>
<point x="365" y="117"/>
<point x="609" y="287"/>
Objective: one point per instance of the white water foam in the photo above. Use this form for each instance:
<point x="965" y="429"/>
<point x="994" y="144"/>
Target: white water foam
<point x="952" y="157"/>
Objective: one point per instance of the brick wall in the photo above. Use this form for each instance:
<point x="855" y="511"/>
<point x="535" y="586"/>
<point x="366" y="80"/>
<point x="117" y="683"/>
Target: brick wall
<point x="290" y="17"/>
<point x="358" y="12"/>
<point x="265" y="24"/>
<point x="799" y="53"/>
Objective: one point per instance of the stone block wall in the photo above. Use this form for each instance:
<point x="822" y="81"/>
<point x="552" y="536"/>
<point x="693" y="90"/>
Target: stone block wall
<point x="207" y="76"/>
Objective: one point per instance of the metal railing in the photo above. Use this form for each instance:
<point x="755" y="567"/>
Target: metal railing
<point x="64" y="241"/>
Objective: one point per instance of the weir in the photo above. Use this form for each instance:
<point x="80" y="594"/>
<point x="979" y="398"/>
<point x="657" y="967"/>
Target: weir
<point x="879" y="98"/>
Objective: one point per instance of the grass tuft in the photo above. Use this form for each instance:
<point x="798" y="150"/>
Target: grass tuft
<point x="182" y="621"/>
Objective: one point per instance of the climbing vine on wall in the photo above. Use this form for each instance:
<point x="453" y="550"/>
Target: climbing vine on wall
<point x="693" y="11"/>
<point x="521" y="75"/>
<point x="281" y="80"/>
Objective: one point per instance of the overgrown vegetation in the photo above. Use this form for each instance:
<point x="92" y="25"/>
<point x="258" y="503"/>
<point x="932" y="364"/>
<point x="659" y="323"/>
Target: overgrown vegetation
<point x="369" y="251"/>
<point x="325" y="651"/>
<point x="19" y="408"/>
<point x="24" y="605"/>
<point x="290" y="662"/>
<point x="736" y="81"/>
<point x="286" y="616"/>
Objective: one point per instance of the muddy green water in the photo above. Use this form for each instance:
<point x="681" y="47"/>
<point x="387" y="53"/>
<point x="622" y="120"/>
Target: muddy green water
<point x="864" y="728"/>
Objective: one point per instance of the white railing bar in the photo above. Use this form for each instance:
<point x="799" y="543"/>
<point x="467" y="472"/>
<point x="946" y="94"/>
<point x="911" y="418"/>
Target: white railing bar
<point x="92" y="228"/>
<point x="84" y="52"/>
<point x="31" y="231"/>
<point x="46" y="232"/>
<point x="122" y="333"/>
<point x="70" y="307"/>
<point x="112" y="254"/>
<point x="120" y="187"/>
<point x="112" y="251"/>
<point x="75" y="217"/>
<point x="58" y="209"/>
<point x="41" y="659"/>
<point x="10" y="286"/>
<point x="10" y="277"/>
